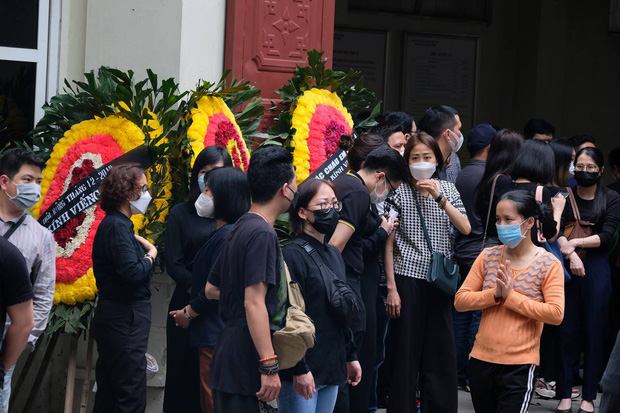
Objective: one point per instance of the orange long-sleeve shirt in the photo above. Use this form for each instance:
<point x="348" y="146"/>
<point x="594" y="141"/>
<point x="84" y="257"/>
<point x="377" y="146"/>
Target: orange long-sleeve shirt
<point x="510" y="329"/>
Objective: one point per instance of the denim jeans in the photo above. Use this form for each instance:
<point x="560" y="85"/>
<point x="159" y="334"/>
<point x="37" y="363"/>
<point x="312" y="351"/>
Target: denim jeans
<point x="322" y="401"/>
<point x="465" y="330"/>
<point x="5" y="393"/>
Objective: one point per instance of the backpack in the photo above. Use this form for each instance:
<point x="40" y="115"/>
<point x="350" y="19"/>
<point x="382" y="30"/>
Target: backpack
<point x="343" y="304"/>
<point x="297" y="335"/>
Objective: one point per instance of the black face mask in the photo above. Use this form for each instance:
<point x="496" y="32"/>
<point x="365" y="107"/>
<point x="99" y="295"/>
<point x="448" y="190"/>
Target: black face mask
<point x="293" y="201"/>
<point x="586" y="179"/>
<point x="325" y="222"/>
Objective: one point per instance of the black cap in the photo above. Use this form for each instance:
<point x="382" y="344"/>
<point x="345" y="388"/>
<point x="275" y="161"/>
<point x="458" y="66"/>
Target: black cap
<point x="479" y="137"/>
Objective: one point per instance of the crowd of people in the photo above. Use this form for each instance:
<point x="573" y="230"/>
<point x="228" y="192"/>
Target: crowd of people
<point x="421" y="278"/>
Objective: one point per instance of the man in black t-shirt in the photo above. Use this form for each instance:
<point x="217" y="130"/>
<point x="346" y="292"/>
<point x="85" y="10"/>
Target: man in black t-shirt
<point x="16" y="300"/>
<point x="248" y="280"/>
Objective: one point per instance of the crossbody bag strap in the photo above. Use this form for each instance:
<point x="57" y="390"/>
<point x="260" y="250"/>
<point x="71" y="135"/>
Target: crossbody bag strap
<point x="486" y="225"/>
<point x="314" y="254"/>
<point x="417" y="205"/>
<point x="573" y="204"/>
<point x="14" y="227"/>
<point x="539" y="228"/>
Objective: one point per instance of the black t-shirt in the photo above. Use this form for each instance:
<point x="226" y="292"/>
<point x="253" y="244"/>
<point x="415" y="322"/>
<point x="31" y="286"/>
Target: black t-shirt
<point x="15" y="287"/>
<point x="604" y="226"/>
<point x="249" y="255"/>
<point x="327" y="359"/>
<point x="352" y="192"/>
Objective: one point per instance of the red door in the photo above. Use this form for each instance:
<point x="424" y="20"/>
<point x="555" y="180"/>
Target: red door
<point x="265" y="39"/>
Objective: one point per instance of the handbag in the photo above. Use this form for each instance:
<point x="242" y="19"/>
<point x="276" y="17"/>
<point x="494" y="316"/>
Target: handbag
<point x="443" y="273"/>
<point x="579" y="228"/>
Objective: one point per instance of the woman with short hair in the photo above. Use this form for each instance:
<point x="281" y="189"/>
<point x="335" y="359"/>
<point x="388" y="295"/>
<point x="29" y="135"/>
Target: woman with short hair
<point x="122" y="263"/>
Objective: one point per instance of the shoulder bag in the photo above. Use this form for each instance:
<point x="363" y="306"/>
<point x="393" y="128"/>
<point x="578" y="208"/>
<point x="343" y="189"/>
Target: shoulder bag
<point x="443" y="272"/>
<point x="579" y="228"/>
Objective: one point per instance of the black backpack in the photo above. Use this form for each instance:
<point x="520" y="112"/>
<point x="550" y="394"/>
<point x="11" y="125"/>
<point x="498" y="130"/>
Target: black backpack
<point x="341" y="298"/>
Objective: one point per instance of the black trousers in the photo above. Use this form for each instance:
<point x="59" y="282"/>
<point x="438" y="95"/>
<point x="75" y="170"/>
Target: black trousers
<point x="229" y="403"/>
<point x="422" y="344"/>
<point x="358" y="327"/>
<point x="182" y="392"/>
<point x="121" y="330"/>
<point x="499" y="388"/>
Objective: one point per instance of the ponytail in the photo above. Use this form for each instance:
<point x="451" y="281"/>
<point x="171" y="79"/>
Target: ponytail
<point x="527" y="206"/>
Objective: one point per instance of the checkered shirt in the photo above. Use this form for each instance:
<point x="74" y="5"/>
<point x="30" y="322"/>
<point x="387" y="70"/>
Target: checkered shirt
<point x="411" y="254"/>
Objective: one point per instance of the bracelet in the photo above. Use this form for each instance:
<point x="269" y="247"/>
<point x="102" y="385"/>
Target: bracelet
<point x="443" y="202"/>
<point x="274" y="357"/>
<point x="150" y="257"/>
<point x="187" y="314"/>
<point x="269" y="370"/>
<point x="439" y="197"/>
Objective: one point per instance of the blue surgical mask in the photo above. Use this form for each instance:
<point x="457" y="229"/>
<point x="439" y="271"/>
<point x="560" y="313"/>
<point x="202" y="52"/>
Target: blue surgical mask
<point x="201" y="182"/>
<point x="510" y="235"/>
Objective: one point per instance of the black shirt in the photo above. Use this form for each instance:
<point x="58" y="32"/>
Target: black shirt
<point x="249" y="255"/>
<point x="604" y="226"/>
<point x="15" y="285"/>
<point x="204" y="330"/>
<point x="186" y="233"/>
<point x="468" y="247"/>
<point x="327" y="359"/>
<point x="121" y="271"/>
<point x="351" y="191"/>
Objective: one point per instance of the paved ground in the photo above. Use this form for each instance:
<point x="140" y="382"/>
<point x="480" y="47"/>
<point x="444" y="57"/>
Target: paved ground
<point x="537" y="405"/>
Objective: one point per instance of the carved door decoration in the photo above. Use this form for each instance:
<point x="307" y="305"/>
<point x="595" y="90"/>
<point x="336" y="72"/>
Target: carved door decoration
<point x="265" y="39"/>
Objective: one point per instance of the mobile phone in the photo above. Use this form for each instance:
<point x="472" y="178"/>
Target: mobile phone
<point x="564" y="193"/>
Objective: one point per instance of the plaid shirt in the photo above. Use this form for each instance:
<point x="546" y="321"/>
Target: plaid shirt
<point x="411" y="254"/>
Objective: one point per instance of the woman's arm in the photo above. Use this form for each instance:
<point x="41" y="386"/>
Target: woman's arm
<point x="393" y="303"/>
<point x="551" y="311"/>
<point x="453" y="199"/>
<point x="341" y="236"/>
<point x="174" y="252"/>
<point x="471" y="296"/>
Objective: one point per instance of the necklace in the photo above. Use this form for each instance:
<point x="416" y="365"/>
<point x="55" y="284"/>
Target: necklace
<point x="253" y="211"/>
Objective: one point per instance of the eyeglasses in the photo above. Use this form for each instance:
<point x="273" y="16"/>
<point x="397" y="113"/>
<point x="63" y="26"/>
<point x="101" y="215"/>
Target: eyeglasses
<point x="589" y="168"/>
<point x="326" y="206"/>
<point x="387" y="181"/>
<point x="145" y="188"/>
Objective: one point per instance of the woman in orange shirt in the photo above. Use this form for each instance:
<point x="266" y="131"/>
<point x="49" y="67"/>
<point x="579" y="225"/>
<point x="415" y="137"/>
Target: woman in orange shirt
<point x="519" y="287"/>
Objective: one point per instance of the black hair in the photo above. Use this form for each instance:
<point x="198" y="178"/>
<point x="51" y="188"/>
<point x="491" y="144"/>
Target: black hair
<point x="540" y="126"/>
<point x="404" y="119"/>
<point x="599" y="208"/>
<point x="527" y="206"/>
<point x="359" y="148"/>
<point x="208" y="156"/>
<point x="563" y="154"/>
<point x="270" y="168"/>
<point x="437" y="119"/>
<point x="386" y="159"/>
<point x="579" y="140"/>
<point x="231" y="193"/>
<point x="387" y="130"/>
<point x="614" y="157"/>
<point x="307" y="190"/>
<point x="12" y="161"/>
<point x="425" y="139"/>
<point x="504" y="145"/>
<point x="534" y="162"/>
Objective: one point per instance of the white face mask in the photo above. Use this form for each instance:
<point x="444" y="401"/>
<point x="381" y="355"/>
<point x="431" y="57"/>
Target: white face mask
<point x="375" y="198"/>
<point x="422" y="170"/>
<point x="402" y="152"/>
<point x="571" y="170"/>
<point x="27" y="195"/>
<point x="459" y="141"/>
<point x="140" y="205"/>
<point x="204" y="206"/>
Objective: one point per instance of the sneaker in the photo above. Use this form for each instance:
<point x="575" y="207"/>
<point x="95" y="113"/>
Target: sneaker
<point x="545" y="389"/>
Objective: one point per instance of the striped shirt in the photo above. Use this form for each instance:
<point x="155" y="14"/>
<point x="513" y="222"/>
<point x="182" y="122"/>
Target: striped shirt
<point x="510" y="329"/>
<point x="38" y="247"/>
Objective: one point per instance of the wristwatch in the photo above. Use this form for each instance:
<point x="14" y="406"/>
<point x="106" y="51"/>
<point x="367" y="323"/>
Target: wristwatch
<point x="439" y="197"/>
<point x="187" y="314"/>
